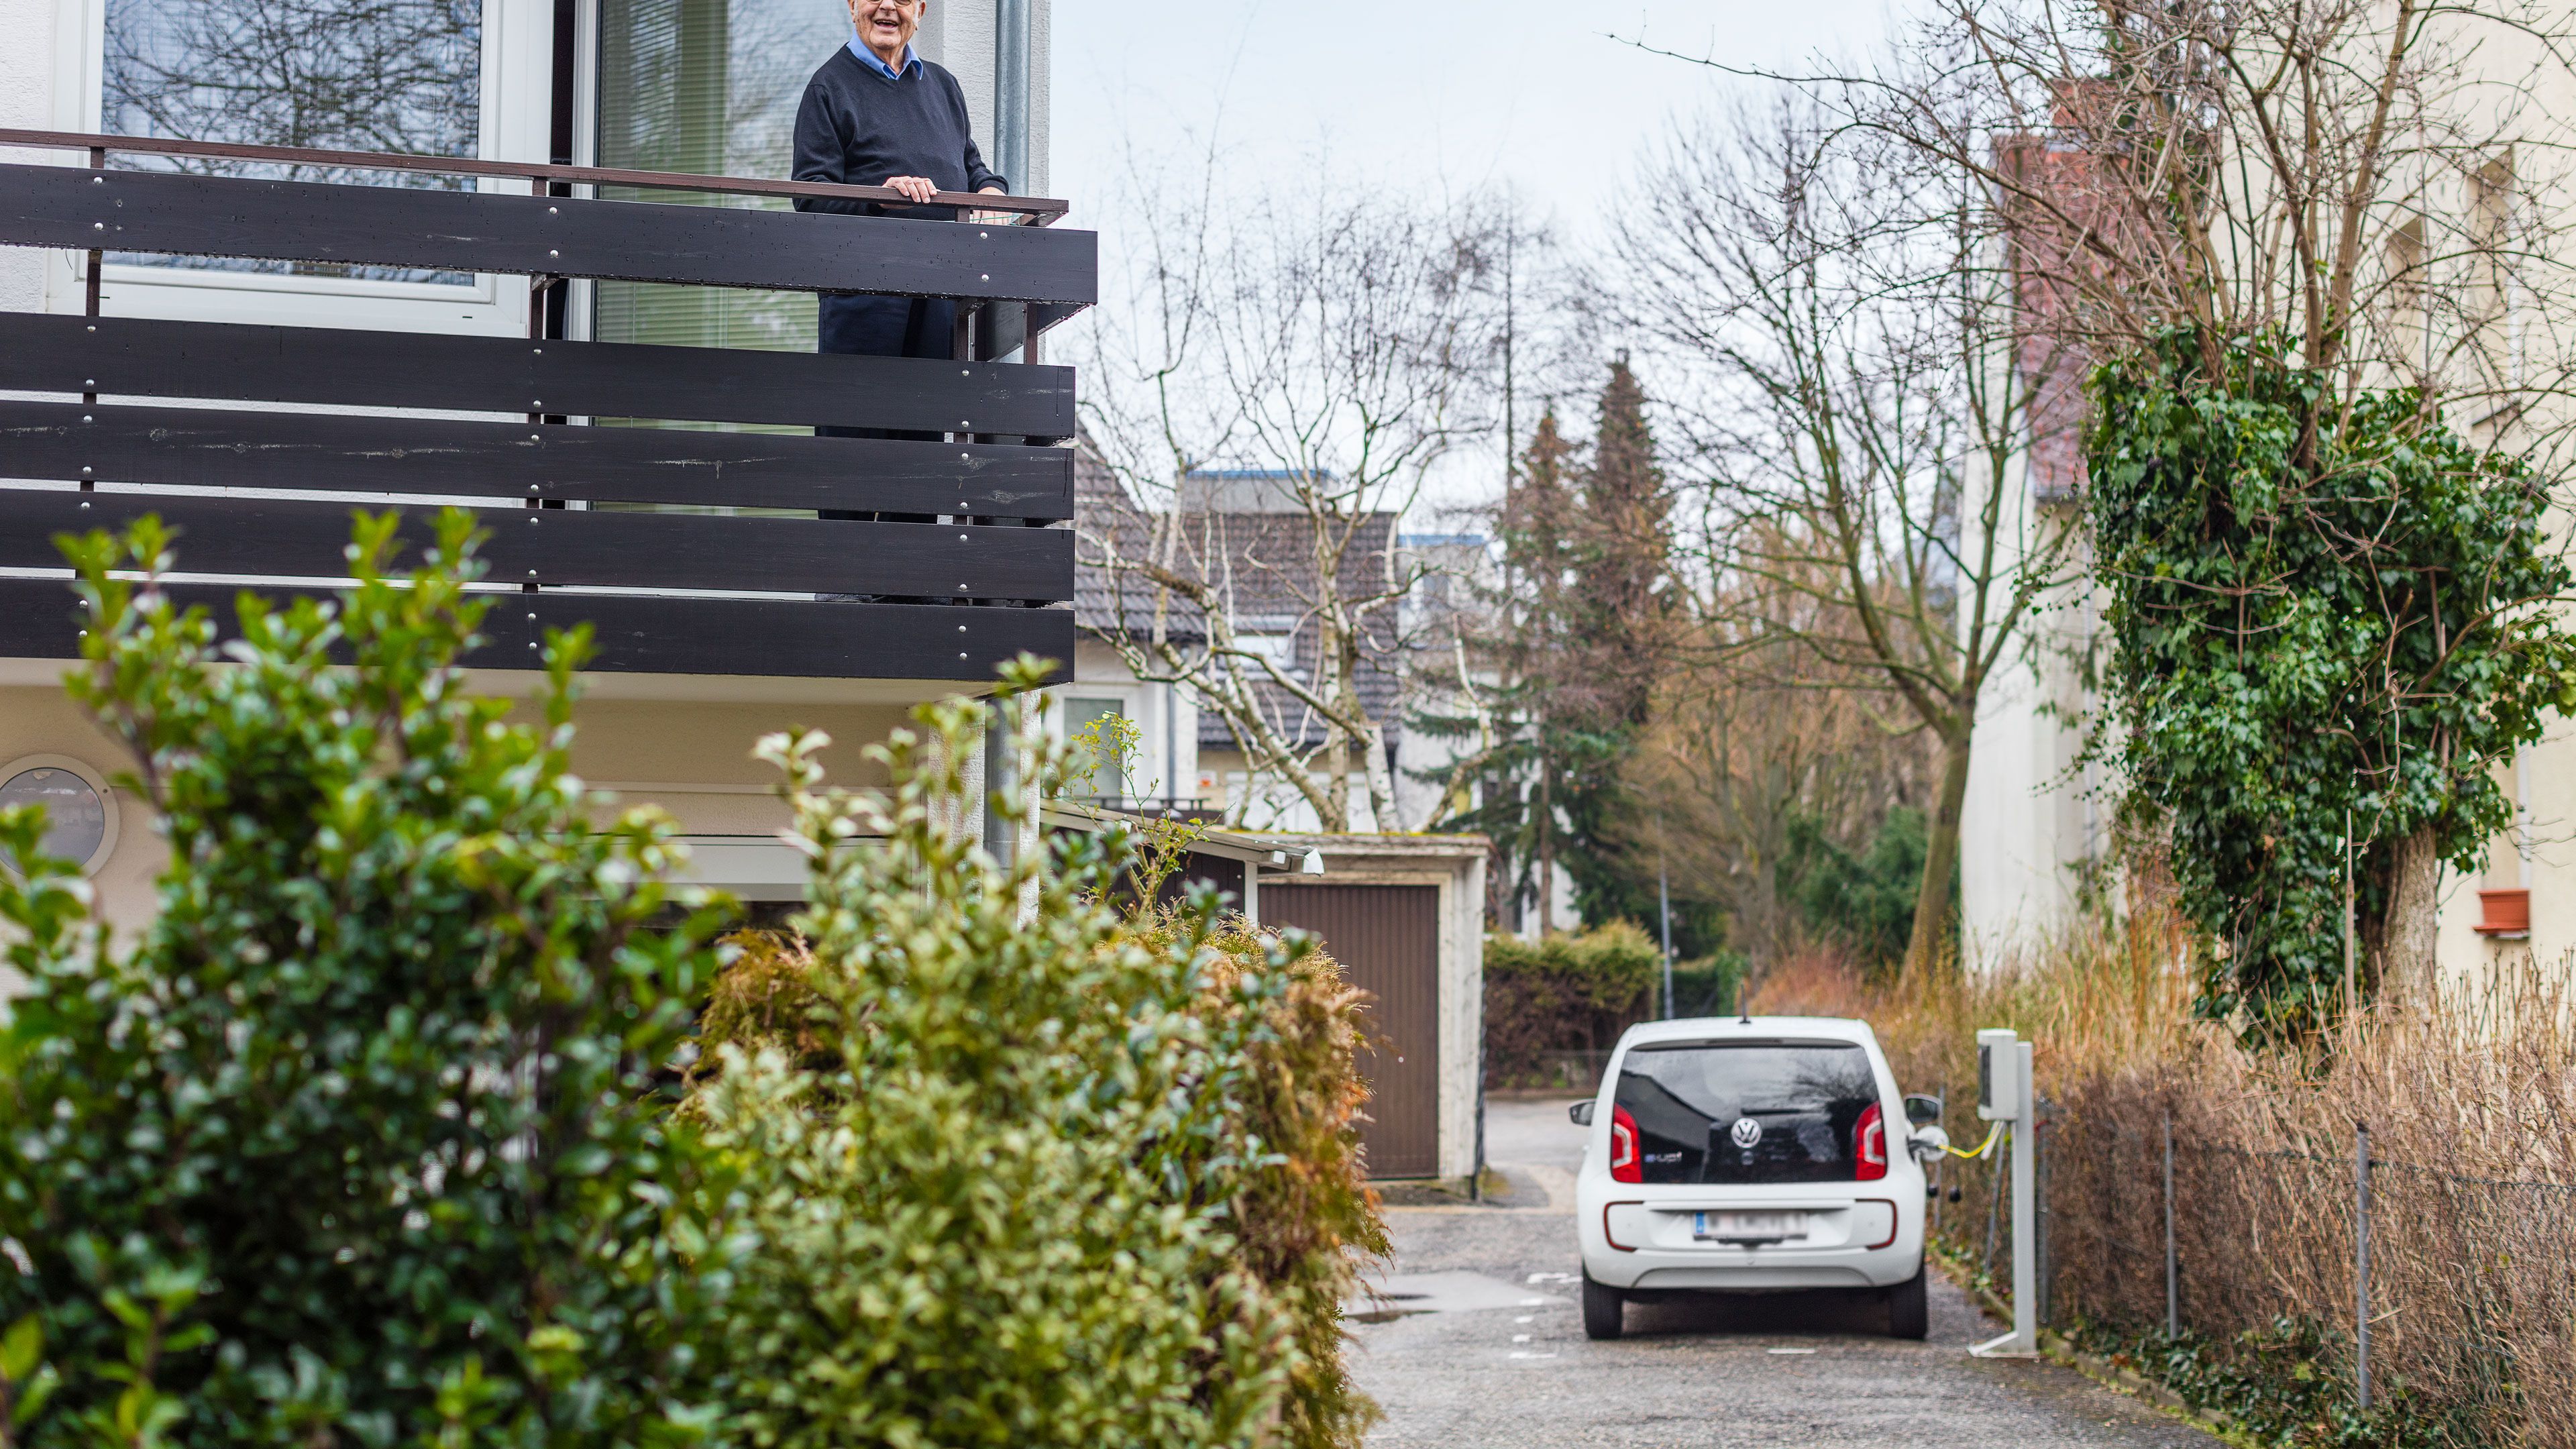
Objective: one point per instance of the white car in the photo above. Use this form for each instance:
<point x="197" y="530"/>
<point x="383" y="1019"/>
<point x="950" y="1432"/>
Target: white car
<point x="1750" y="1155"/>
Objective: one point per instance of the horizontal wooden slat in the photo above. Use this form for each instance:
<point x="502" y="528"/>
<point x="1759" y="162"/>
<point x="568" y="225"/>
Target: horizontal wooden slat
<point x="42" y="352"/>
<point x="578" y="547"/>
<point x="210" y="447"/>
<point x="41" y="619"/>
<point x="870" y="641"/>
<point x="172" y="213"/>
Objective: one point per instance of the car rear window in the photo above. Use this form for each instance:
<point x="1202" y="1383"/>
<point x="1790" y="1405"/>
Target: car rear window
<point x="1802" y="1099"/>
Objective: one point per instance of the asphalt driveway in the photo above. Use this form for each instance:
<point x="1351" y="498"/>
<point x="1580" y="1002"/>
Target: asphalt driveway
<point x="1485" y="1349"/>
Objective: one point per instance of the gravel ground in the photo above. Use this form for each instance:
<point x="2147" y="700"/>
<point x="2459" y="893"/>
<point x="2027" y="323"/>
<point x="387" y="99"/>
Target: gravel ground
<point x="1801" y="1372"/>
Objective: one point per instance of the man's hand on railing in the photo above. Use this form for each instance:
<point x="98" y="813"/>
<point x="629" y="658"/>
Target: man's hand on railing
<point x="993" y="218"/>
<point x="918" y="188"/>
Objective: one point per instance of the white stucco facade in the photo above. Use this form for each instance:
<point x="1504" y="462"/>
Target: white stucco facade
<point x="2034" y="815"/>
<point x="26" y="102"/>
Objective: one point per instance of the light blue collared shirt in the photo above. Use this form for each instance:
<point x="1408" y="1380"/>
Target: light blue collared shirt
<point x="869" y="58"/>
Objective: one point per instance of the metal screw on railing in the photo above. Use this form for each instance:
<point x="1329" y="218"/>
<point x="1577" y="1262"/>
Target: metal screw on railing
<point x="2173" y="1265"/>
<point x="2361" y="1265"/>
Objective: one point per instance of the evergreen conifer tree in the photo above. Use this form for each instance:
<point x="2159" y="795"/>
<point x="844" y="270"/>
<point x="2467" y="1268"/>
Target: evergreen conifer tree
<point x="1620" y="616"/>
<point x="1583" y="621"/>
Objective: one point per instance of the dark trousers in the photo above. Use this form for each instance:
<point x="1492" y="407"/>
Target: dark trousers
<point x="862" y="326"/>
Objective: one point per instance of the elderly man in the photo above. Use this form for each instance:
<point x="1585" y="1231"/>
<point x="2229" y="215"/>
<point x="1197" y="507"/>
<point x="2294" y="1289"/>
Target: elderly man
<point x="878" y="115"/>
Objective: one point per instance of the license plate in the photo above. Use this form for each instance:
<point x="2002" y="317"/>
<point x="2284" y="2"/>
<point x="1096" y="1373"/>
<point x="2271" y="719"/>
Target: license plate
<point x="1748" y="1227"/>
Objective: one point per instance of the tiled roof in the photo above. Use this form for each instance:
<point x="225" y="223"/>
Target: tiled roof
<point x="1267" y="564"/>
<point x="1102" y="510"/>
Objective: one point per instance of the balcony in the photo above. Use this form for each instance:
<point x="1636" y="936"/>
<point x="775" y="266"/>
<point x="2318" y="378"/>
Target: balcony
<point x="947" y="550"/>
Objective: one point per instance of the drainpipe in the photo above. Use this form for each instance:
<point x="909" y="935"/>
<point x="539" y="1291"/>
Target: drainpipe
<point x="1012" y="47"/>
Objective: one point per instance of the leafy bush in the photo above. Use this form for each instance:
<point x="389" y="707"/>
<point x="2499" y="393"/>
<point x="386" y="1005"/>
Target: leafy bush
<point x="359" y="1141"/>
<point x="1287" y="1173"/>
<point x="1863" y="902"/>
<point x="1709" y="987"/>
<point x="1024" y="1172"/>
<point x="1564" y="993"/>
<point x="2286" y="1383"/>
<point x="2331" y="615"/>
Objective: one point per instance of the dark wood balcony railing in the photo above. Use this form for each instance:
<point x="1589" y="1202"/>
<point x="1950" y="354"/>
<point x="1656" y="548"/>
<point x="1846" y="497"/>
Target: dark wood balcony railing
<point x="955" y="516"/>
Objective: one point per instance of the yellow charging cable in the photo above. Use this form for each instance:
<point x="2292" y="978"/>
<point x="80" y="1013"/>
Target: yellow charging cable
<point x="1982" y="1148"/>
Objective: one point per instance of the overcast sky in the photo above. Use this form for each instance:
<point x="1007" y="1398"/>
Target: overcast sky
<point x="1457" y="94"/>
<point x="1431" y="97"/>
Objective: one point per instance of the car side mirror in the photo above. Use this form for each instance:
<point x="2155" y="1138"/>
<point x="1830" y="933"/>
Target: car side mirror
<point x="1922" y="1111"/>
<point x="1581" y="1112"/>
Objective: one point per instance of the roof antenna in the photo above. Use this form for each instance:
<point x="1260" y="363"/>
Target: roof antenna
<point x="1745" y="1018"/>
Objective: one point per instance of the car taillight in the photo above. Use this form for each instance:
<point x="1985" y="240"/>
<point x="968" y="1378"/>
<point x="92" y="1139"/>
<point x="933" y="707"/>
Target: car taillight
<point x="1624" y="1166"/>
<point x="1869" y="1146"/>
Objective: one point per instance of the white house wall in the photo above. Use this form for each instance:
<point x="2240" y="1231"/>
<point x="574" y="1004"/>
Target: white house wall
<point x="1166" y="720"/>
<point x="27" y="103"/>
<point x="962" y="35"/>
<point x="2032" y="817"/>
<point x="2010" y="879"/>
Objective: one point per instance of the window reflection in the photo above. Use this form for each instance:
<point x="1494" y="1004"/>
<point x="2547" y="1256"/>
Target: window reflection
<point x="404" y="76"/>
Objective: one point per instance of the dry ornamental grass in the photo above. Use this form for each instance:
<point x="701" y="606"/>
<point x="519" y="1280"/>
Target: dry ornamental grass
<point x="2469" y="1095"/>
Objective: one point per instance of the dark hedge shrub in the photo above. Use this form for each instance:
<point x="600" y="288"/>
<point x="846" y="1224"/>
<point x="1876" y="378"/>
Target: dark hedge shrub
<point x="358" y="1143"/>
<point x="1566" y="993"/>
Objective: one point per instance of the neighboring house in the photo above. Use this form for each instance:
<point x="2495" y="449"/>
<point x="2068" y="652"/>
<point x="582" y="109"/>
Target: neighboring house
<point x="435" y="312"/>
<point x="2037" y="828"/>
<point x="1166" y="774"/>
<point x="1243" y="528"/>
<point x="2034" y="827"/>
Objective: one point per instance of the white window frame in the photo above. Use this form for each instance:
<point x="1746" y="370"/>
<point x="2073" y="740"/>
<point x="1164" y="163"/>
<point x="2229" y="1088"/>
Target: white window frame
<point x="518" y="110"/>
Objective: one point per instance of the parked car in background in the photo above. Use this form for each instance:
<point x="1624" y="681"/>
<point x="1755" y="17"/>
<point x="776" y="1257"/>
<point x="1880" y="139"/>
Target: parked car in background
<point x="1752" y="1155"/>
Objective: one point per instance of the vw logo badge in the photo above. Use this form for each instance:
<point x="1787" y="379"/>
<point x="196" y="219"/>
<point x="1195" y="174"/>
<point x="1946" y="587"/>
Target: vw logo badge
<point x="1747" y="1132"/>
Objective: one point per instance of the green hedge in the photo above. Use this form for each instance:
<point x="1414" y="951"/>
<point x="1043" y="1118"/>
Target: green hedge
<point x="359" y="1142"/>
<point x="390" y="1130"/>
<point x="1564" y="993"/>
<point x="1025" y="1170"/>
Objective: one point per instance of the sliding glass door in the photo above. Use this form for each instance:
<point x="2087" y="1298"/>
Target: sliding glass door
<point x="708" y="87"/>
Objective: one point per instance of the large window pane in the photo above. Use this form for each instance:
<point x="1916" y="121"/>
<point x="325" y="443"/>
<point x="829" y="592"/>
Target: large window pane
<point x="351" y="75"/>
<point x="708" y="87"/>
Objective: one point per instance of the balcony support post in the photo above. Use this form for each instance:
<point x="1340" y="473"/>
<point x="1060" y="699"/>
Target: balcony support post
<point x="97" y="260"/>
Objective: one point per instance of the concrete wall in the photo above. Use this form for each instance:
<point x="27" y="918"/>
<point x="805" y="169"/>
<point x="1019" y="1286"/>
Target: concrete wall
<point x="2033" y="817"/>
<point x="960" y="34"/>
<point x="26" y="102"/>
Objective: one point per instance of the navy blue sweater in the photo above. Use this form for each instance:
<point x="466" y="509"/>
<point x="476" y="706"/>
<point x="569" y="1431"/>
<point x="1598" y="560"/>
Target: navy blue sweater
<point x="858" y="128"/>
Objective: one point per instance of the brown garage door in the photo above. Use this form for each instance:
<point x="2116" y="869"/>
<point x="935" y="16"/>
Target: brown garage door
<point x="1388" y="939"/>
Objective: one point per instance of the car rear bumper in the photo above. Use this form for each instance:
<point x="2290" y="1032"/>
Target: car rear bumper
<point x="1751" y="1280"/>
<point x="1864" y="1241"/>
